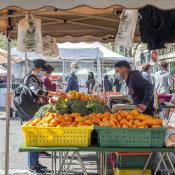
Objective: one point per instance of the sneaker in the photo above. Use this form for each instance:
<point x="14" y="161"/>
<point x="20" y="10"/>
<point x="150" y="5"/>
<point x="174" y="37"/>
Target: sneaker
<point x="37" y="170"/>
<point x="41" y="166"/>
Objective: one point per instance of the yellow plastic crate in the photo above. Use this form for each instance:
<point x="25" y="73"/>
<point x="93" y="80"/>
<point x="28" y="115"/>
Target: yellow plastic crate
<point x="60" y="136"/>
<point x="131" y="172"/>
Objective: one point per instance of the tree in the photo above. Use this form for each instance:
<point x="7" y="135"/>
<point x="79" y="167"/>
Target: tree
<point x="3" y="42"/>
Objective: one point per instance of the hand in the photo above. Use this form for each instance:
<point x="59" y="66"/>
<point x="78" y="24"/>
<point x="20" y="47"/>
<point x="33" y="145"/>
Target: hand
<point x="142" y="107"/>
<point x="56" y="94"/>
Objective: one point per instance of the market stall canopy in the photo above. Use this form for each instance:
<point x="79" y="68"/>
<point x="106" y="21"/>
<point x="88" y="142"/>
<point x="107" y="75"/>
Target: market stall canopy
<point x="4" y="55"/>
<point x="69" y="4"/>
<point x="3" y="71"/>
<point x="77" y="51"/>
<point x="75" y="21"/>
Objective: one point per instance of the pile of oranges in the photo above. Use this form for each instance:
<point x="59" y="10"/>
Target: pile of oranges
<point x="84" y="97"/>
<point x="121" y="119"/>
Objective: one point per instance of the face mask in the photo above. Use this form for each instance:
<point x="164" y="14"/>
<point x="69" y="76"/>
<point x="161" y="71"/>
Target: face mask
<point x="41" y="74"/>
<point x="74" y="70"/>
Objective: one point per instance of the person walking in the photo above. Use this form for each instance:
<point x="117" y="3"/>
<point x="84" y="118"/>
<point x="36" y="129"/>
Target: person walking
<point x="117" y="84"/>
<point x="72" y="84"/>
<point x="107" y="85"/>
<point x="146" y="72"/>
<point x="163" y="79"/>
<point x="90" y="83"/>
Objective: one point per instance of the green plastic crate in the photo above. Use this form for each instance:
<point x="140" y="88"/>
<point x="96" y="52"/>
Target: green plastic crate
<point x="130" y="137"/>
<point x="131" y="161"/>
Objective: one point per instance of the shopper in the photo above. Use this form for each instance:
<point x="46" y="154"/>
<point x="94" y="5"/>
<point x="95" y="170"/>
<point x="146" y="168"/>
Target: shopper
<point x="90" y="83"/>
<point x="107" y="85"/>
<point x="48" y="84"/>
<point x="47" y="80"/>
<point x="163" y="79"/>
<point x="72" y="84"/>
<point x="35" y="86"/>
<point x="140" y="90"/>
<point x="117" y="84"/>
<point x="146" y="72"/>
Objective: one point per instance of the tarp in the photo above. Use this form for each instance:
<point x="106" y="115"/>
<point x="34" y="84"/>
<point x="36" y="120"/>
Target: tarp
<point x="3" y="71"/>
<point x="69" y="4"/>
<point x="4" y="55"/>
<point x="77" y="51"/>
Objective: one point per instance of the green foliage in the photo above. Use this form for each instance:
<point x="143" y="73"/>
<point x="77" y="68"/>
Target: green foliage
<point x="99" y="108"/>
<point x="46" y="108"/>
<point x="3" y="42"/>
<point x="79" y="107"/>
<point x="62" y="107"/>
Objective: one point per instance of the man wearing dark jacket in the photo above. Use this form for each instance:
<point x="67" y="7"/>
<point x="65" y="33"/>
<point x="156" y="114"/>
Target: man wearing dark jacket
<point x="140" y="90"/>
<point x="72" y="84"/>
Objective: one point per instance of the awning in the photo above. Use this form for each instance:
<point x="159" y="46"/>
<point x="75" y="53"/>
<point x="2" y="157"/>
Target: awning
<point x="69" y="4"/>
<point x="3" y="71"/>
<point x="4" y="57"/>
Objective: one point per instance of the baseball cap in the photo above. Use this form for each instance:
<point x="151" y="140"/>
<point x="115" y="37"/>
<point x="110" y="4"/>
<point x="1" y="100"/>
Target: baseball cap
<point x="41" y="64"/>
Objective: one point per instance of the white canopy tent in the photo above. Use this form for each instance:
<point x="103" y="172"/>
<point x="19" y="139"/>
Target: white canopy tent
<point x="76" y="52"/>
<point x="84" y="50"/>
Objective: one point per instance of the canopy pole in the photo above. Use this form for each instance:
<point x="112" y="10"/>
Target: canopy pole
<point x="99" y="74"/>
<point x="8" y="109"/>
<point x="63" y="69"/>
<point x="26" y="64"/>
<point x="8" y="97"/>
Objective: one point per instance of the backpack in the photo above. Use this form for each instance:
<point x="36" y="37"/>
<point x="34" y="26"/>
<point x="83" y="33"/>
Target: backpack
<point x="25" y="102"/>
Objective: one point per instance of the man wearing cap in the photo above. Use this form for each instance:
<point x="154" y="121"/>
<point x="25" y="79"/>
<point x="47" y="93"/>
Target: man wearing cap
<point x="72" y="79"/>
<point x="140" y="90"/>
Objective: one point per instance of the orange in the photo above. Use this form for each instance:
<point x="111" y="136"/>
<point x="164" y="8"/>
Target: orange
<point x="96" y="121"/>
<point x="124" y="126"/>
<point x="134" y="112"/>
<point x="88" y="122"/>
<point x="129" y="117"/>
<point x="79" y="119"/>
<point x="82" y="124"/>
<point x="54" y="123"/>
<point x="123" y="121"/>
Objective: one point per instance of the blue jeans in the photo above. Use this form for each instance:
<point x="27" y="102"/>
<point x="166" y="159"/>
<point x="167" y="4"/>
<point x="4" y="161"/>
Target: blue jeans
<point x="33" y="159"/>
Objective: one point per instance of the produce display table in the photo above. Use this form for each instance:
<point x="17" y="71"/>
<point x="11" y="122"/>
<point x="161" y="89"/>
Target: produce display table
<point x="103" y="152"/>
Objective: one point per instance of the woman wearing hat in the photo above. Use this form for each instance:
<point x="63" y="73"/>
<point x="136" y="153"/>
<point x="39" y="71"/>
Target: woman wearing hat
<point x="34" y="83"/>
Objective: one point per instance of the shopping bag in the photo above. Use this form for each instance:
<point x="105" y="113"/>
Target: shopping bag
<point x="126" y="28"/>
<point x="50" y="48"/>
<point x="29" y="35"/>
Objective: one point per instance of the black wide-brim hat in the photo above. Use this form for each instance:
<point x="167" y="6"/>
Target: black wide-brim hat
<point x="41" y="64"/>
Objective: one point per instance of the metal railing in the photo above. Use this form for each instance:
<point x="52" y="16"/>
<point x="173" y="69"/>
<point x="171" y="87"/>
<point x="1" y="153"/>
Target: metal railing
<point x="4" y="86"/>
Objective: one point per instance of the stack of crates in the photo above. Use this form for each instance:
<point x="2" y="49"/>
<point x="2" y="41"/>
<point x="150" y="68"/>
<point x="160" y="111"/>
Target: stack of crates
<point x="131" y="164"/>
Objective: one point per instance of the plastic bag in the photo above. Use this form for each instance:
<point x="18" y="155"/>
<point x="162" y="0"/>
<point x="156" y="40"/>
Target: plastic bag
<point x="50" y="48"/>
<point x="29" y="35"/>
<point x="170" y="137"/>
<point x="126" y="28"/>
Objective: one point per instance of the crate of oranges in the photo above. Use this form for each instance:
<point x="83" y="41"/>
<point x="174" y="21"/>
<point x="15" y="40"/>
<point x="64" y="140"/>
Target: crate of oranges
<point x="57" y="130"/>
<point x="129" y="129"/>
